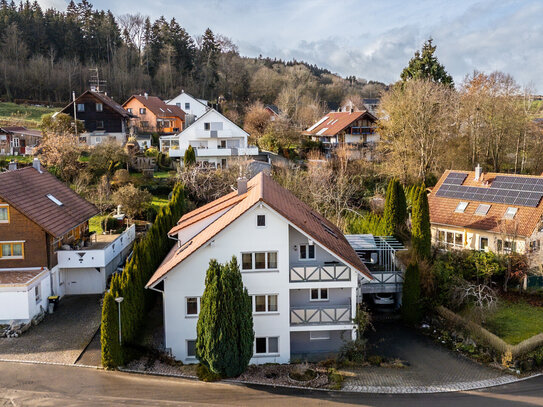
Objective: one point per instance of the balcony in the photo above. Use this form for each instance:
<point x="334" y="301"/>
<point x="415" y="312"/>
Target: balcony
<point x="308" y="274"/>
<point x="101" y="251"/>
<point x="320" y="315"/>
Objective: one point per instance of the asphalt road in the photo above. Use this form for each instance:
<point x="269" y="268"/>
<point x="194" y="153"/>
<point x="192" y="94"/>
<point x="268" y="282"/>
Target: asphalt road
<point x="48" y="385"/>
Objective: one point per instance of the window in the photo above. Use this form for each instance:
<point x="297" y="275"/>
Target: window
<point x="143" y="110"/>
<point x="259" y="261"/>
<point x="267" y="345"/>
<point x="99" y="124"/>
<point x="80" y="107"/>
<point x="193" y="306"/>
<point x="11" y="250"/>
<point x="318" y="294"/>
<point x="483" y="244"/>
<point x="510" y="213"/>
<point x="535" y="245"/>
<point x="37" y="292"/>
<point x="461" y="207"/>
<point x="506" y="246"/>
<point x="4" y="214"/>
<point x="187" y="105"/>
<point x="191" y="348"/>
<point x="319" y="335"/>
<point x="482" y="209"/>
<point x="264" y="303"/>
<point x="261" y="220"/>
<point x="99" y="107"/>
<point x="451" y="239"/>
<point x="15" y="142"/>
<point x="129" y="110"/>
<point x="207" y="126"/>
<point x="55" y="200"/>
<point x="307" y="251"/>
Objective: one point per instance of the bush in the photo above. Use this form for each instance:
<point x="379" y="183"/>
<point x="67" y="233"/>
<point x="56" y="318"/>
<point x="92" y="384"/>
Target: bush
<point x="109" y="223"/>
<point x="109" y="338"/>
<point x="335" y="379"/>
<point x="352" y="351"/>
<point x="375" y="360"/>
<point x="206" y="375"/>
<point x="364" y="224"/>
<point x="190" y="157"/>
<point x="122" y="176"/>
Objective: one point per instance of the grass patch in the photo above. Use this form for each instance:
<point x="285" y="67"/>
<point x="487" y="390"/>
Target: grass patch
<point x="159" y="201"/>
<point x="23" y="115"/>
<point x="515" y="322"/>
<point x="95" y="224"/>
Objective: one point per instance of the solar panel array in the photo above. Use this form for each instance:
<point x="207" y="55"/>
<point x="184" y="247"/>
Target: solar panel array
<point x="520" y="191"/>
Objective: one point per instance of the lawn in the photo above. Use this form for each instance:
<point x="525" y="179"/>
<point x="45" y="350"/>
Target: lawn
<point x="22" y="115"/>
<point x="515" y="322"/>
<point x="95" y="224"/>
<point x="159" y="201"/>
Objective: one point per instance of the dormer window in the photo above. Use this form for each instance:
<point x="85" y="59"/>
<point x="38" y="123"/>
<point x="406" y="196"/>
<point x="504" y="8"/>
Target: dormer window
<point x="482" y="209"/>
<point x="510" y="213"/>
<point x="55" y="200"/>
<point x="461" y="207"/>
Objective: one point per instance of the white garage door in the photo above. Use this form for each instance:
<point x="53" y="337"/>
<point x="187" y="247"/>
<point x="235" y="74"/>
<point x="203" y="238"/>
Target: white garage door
<point x="83" y="281"/>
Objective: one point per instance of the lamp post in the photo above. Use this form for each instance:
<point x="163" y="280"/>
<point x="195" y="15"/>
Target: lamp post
<point x="119" y="300"/>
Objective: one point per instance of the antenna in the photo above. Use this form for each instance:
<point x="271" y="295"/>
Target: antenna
<point x="75" y="115"/>
<point x="96" y="84"/>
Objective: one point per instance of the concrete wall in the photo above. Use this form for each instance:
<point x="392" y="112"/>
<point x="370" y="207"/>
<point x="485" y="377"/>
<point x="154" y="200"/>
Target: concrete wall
<point x="19" y="303"/>
<point x="336" y="296"/>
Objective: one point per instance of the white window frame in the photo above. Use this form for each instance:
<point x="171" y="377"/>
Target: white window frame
<point x="187" y="347"/>
<point x="481" y="208"/>
<point x="6" y="207"/>
<point x="80" y="107"/>
<point x="198" y="302"/>
<point x="260" y="226"/>
<point x="311" y="299"/>
<point x="487" y="243"/>
<point x="266" y="303"/>
<point x="267" y="353"/>
<point x="510" y="213"/>
<point x="445" y="242"/>
<point x="319" y="335"/>
<point x="266" y="260"/>
<point x="307" y="258"/>
<point x="99" y="107"/>
<point x="15" y="142"/>
<point x="461" y="207"/>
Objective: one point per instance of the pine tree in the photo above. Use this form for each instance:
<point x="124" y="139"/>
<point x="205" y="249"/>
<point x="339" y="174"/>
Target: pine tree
<point x="395" y="213"/>
<point x="420" y="226"/>
<point x="424" y="65"/>
<point x="411" y="301"/>
<point x="190" y="157"/>
<point x="111" y="349"/>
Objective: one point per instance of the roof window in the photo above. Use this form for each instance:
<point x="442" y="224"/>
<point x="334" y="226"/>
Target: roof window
<point x="461" y="207"/>
<point x="55" y="200"/>
<point x="510" y="213"/>
<point x="482" y="209"/>
<point x="321" y="131"/>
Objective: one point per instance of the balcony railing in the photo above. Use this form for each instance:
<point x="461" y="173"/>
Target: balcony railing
<point x="304" y="274"/>
<point x="339" y="314"/>
<point x="395" y="277"/>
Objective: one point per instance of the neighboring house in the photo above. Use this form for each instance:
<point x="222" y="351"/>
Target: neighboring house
<point x="18" y="140"/>
<point x="488" y="211"/>
<point x="153" y="115"/>
<point x="214" y="138"/>
<point x="299" y="269"/>
<point x="103" y="118"/>
<point x="190" y="105"/>
<point x="351" y="128"/>
<point x="273" y="110"/>
<point x="145" y="141"/>
<point x="371" y="104"/>
<point x="45" y="245"/>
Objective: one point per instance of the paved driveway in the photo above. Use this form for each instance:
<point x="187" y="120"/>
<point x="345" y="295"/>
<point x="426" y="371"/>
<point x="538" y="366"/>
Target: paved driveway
<point x="431" y="366"/>
<point x="61" y="337"/>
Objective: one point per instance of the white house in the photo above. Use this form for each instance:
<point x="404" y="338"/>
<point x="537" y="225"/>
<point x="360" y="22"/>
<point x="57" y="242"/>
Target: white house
<point x="299" y="269"/>
<point x="190" y="105"/>
<point x="214" y="138"/>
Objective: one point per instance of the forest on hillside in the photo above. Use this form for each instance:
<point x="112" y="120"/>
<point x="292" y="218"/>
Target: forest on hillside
<point x="47" y="54"/>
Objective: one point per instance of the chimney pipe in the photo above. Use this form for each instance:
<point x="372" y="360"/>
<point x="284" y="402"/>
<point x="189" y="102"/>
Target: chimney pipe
<point x="478" y="172"/>
<point x="242" y="185"/>
<point x="12" y="165"/>
<point x="36" y="164"/>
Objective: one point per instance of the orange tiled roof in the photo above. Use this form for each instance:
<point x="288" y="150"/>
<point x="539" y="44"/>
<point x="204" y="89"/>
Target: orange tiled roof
<point x="442" y="210"/>
<point x="261" y="188"/>
<point x="335" y="122"/>
<point x="158" y="106"/>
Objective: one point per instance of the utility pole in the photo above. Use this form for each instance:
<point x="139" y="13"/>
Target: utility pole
<point x="75" y="116"/>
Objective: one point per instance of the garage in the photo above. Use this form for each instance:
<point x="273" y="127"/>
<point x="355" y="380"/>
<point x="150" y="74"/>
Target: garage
<point x="84" y="281"/>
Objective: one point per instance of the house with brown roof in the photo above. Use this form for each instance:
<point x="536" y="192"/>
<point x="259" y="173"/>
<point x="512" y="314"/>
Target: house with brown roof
<point x="488" y="211"/>
<point x="299" y="269"/>
<point x="153" y="115"/>
<point x="45" y="245"/>
<point x="18" y="140"/>
<point x="103" y="118"/>
<point x="349" y="127"/>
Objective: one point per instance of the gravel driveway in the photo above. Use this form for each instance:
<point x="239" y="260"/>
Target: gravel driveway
<point x="61" y="337"/>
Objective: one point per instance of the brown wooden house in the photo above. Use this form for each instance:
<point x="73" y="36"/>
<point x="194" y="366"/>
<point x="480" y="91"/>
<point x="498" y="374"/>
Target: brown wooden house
<point x="18" y="140"/>
<point x="154" y="115"/>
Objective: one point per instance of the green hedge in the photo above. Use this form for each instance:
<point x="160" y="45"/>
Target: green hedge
<point x="130" y="284"/>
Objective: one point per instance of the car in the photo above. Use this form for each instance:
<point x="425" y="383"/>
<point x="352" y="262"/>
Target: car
<point x="383" y="299"/>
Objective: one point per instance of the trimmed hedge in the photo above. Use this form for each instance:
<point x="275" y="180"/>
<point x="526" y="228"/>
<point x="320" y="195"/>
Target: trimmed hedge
<point x="130" y="284"/>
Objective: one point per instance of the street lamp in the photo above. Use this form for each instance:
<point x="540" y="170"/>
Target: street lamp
<point x="119" y="300"/>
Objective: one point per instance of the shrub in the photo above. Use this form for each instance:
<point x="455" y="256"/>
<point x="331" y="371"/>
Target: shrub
<point x="109" y="223"/>
<point x="375" y="360"/>
<point x="411" y="300"/>
<point x="122" y="176"/>
<point x="352" y="351"/>
<point x="109" y="338"/>
<point x="335" y="379"/>
<point x="206" y="375"/>
<point x="190" y="157"/>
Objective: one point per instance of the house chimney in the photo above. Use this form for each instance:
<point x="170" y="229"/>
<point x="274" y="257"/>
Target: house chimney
<point x="36" y="164"/>
<point x="146" y="95"/>
<point x="12" y="165"/>
<point x="242" y="185"/>
<point x="478" y="172"/>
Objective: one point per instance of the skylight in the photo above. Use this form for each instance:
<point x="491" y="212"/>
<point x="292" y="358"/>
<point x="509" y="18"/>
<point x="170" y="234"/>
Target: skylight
<point x="321" y="131"/>
<point x="461" y="207"/>
<point x="55" y="200"/>
<point x="482" y="209"/>
<point x="318" y="123"/>
<point x="510" y="213"/>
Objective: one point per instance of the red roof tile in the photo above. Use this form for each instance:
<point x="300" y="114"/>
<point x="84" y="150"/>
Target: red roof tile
<point x="335" y="122"/>
<point x="158" y="107"/>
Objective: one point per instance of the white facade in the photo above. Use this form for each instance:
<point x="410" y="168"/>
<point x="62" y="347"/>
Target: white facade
<point x="214" y="138"/>
<point x="298" y="321"/>
<point x="189" y="104"/>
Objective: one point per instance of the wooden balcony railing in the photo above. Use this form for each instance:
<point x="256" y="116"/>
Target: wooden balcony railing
<point x="304" y="274"/>
<point x="339" y="314"/>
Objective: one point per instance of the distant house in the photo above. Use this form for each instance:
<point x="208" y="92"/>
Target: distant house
<point x="273" y="110"/>
<point x="190" y="105"/>
<point x="103" y="118"/>
<point x="351" y="127"/>
<point x="45" y="245"/>
<point x="371" y="104"/>
<point x="488" y="211"/>
<point x="153" y="115"/>
<point x="18" y="140"/>
<point x="300" y="271"/>
<point x="214" y="138"/>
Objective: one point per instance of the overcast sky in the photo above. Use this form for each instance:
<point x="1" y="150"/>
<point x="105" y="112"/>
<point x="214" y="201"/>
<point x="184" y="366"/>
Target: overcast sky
<point x="369" y="39"/>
